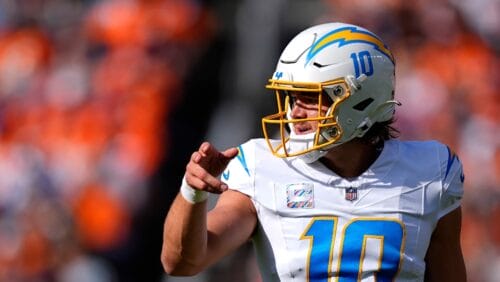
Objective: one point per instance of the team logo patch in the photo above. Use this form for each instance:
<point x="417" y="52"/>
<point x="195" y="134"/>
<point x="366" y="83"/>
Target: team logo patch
<point x="300" y="196"/>
<point x="351" y="194"/>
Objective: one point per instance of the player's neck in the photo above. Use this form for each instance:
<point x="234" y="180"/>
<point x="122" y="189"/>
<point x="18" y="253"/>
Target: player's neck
<point x="352" y="158"/>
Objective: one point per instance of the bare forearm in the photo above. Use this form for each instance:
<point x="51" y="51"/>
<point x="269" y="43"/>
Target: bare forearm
<point x="185" y="234"/>
<point x="184" y="237"/>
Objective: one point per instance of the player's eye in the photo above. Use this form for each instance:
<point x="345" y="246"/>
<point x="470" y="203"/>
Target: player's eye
<point x="306" y="99"/>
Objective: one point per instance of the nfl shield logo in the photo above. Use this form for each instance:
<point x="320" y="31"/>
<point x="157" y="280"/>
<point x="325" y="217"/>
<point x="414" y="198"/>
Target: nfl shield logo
<point x="351" y="194"/>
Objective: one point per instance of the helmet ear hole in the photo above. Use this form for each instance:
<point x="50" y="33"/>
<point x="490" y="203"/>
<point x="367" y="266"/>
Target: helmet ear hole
<point x="361" y="106"/>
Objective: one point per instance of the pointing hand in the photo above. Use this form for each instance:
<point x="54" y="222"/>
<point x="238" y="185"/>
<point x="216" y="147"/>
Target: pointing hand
<point x="205" y="166"/>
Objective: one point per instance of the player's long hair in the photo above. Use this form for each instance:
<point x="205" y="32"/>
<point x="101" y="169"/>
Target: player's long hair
<point x="381" y="131"/>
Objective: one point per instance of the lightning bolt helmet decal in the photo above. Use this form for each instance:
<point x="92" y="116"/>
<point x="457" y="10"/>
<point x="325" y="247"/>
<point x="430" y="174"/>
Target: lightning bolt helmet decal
<point x="348" y="35"/>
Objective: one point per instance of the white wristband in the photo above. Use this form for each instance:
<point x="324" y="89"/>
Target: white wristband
<point x="192" y="195"/>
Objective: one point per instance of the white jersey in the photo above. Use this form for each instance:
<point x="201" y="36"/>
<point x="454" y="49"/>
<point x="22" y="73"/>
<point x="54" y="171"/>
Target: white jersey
<point x="313" y="224"/>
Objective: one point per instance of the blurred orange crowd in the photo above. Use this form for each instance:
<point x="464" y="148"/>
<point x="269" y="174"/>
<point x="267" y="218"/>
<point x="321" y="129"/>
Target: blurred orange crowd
<point x="83" y="106"/>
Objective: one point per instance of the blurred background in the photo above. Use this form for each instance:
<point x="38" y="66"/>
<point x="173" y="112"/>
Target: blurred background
<point x="102" y="103"/>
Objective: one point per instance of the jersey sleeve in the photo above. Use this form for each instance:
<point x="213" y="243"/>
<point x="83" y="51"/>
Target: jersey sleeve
<point x="452" y="181"/>
<point x="239" y="173"/>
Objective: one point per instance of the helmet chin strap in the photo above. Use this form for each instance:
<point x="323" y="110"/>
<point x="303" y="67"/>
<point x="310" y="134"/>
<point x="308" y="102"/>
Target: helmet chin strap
<point x="303" y="143"/>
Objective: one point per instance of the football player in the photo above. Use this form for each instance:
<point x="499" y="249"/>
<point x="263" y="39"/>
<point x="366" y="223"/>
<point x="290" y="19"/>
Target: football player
<point x="329" y="192"/>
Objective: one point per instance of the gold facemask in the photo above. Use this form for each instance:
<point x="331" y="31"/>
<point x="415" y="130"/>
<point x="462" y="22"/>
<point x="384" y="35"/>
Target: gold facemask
<point x="328" y="131"/>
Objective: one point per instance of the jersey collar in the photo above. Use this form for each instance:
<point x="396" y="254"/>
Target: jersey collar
<point x="376" y="172"/>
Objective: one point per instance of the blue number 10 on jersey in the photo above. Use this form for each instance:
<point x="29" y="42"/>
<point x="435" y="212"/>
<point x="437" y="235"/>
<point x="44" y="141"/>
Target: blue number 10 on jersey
<point x="377" y="241"/>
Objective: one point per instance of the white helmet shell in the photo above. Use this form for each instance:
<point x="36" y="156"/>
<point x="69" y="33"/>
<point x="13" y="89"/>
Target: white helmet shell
<point x="323" y="59"/>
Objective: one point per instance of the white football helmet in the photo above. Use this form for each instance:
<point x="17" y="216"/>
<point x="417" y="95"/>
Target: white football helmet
<point x="349" y="64"/>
